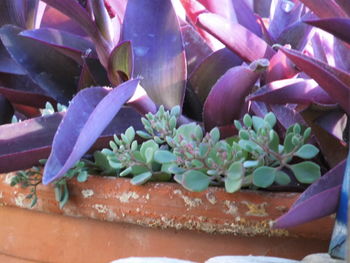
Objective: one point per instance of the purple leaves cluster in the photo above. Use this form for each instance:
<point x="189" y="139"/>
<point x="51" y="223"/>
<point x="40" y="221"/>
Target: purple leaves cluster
<point x="210" y="57"/>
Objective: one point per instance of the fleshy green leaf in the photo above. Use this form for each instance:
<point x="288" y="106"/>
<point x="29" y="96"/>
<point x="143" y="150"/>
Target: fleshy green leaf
<point x="264" y="176"/>
<point x="274" y="141"/>
<point x="195" y="181"/>
<point x="235" y="171"/>
<point x="162" y="156"/>
<point x="282" y="178"/>
<point x="152" y="146"/>
<point x="82" y="176"/>
<point x="232" y="185"/>
<point x="306" y="172"/>
<point x="141" y="178"/>
<point x="307" y="151"/>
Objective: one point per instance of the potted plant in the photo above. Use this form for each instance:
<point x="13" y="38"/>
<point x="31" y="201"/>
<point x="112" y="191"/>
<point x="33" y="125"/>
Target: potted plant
<point x="173" y="58"/>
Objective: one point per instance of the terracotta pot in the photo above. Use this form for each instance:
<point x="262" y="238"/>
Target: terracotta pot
<point x="108" y="218"/>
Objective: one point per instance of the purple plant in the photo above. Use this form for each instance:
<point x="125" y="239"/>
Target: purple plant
<point x="195" y="55"/>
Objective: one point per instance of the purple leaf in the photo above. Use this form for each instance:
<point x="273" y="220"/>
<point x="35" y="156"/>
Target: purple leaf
<point x="26" y="98"/>
<point x="325" y="8"/>
<point x="68" y="44"/>
<point x="7" y="64"/>
<point x="6" y="110"/>
<point x="88" y="115"/>
<point x="12" y="12"/>
<point x="196" y="48"/>
<point x="319" y="51"/>
<point x="297" y="91"/>
<point x="157" y="43"/>
<point x="339" y="27"/>
<point x="345" y="4"/>
<point x="334" y="122"/>
<point x="210" y="70"/>
<point x="327" y="77"/>
<point x="286" y="13"/>
<point x="246" y="17"/>
<point x="286" y="115"/>
<point x="333" y="150"/>
<point x="222" y="8"/>
<point x="280" y="68"/>
<point x="240" y="40"/>
<point x="54" y="19"/>
<point x="120" y="63"/>
<point x="341" y="54"/>
<point x="262" y="7"/>
<point x="75" y="11"/>
<point x="236" y="11"/>
<point x="229" y="92"/>
<point x="23" y="144"/>
<point x="52" y="71"/>
<point x="194" y="8"/>
<point x="319" y="200"/>
<point x="297" y="35"/>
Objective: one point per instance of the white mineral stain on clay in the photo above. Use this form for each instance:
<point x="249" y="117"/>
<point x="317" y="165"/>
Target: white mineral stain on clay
<point x="189" y="202"/>
<point x="87" y="193"/>
<point x="232" y="209"/>
<point x="125" y="197"/>
<point x="102" y="209"/>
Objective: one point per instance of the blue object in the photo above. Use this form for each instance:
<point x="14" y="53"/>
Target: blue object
<point x="338" y="245"/>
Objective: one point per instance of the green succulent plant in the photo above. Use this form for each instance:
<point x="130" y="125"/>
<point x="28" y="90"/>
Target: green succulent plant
<point x="256" y="157"/>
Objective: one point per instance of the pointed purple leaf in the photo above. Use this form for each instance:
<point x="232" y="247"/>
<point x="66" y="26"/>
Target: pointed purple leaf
<point x="240" y="40"/>
<point x="222" y="8"/>
<point x="297" y="91"/>
<point x="194" y="8"/>
<point x="210" y="70"/>
<point x="287" y="115"/>
<point x="246" y="17"/>
<point x="26" y="98"/>
<point x="12" y="12"/>
<point x="325" y="8"/>
<point x="7" y="64"/>
<point x="334" y="122"/>
<point x="318" y="48"/>
<point x="196" y="48"/>
<point x="280" y="68"/>
<point x="297" y="35"/>
<point x="23" y="144"/>
<point x="286" y="13"/>
<point x="345" y="4"/>
<point x="68" y="44"/>
<point x="319" y="200"/>
<point x="54" y="19"/>
<point x="327" y="77"/>
<point x="159" y="56"/>
<point x="262" y="7"/>
<point x="75" y="11"/>
<point x="88" y="115"/>
<point x="120" y="63"/>
<point x="341" y="54"/>
<point x="52" y="71"/>
<point x="229" y="92"/>
<point x="339" y="27"/>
